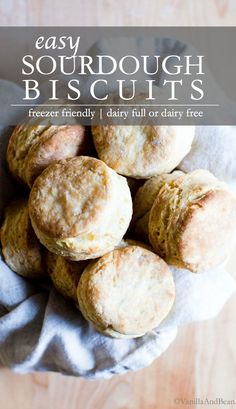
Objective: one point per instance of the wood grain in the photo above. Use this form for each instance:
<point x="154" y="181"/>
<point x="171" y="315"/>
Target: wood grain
<point x="122" y="12"/>
<point x="202" y="360"/>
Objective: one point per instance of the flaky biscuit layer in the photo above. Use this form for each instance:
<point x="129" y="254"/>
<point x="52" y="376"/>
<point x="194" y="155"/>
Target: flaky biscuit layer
<point x="192" y="221"/>
<point x="65" y="274"/>
<point x="21" y="249"/>
<point x="143" y="202"/>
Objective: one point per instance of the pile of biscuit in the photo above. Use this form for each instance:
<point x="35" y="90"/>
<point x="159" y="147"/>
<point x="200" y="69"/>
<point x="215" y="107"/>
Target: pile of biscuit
<point x="107" y="212"/>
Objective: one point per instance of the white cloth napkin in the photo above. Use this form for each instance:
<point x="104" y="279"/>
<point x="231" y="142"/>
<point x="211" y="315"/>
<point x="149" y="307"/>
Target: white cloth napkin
<point x="213" y="148"/>
<point x="41" y="331"/>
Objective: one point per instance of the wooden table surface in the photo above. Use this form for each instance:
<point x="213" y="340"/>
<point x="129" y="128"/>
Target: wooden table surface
<point x="202" y="361"/>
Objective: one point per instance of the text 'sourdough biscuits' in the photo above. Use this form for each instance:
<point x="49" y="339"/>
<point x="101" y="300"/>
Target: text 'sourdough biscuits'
<point x="141" y="151"/>
<point x="143" y="202"/>
<point x="127" y="292"/>
<point x="80" y="208"/>
<point x="192" y="223"/>
<point x="34" y="145"/>
<point x="21" y="249"/>
<point x="65" y="274"/>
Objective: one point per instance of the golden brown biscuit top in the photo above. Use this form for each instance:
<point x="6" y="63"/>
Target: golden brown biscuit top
<point x="129" y="290"/>
<point x="55" y="143"/>
<point x="19" y="144"/>
<point x="70" y="196"/>
<point x="141" y="151"/>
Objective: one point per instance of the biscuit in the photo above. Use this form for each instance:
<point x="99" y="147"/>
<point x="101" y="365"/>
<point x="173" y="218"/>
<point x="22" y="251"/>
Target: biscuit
<point x="127" y="292"/>
<point x="143" y="201"/>
<point x="34" y="145"/>
<point x="192" y="223"/>
<point x="65" y="274"/>
<point x="141" y="151"/>
<point x="20" y="247"/>
<point x="80" y="208"/>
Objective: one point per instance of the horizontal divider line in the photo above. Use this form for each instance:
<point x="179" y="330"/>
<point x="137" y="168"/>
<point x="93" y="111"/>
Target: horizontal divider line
<point x="118" y="105"/>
